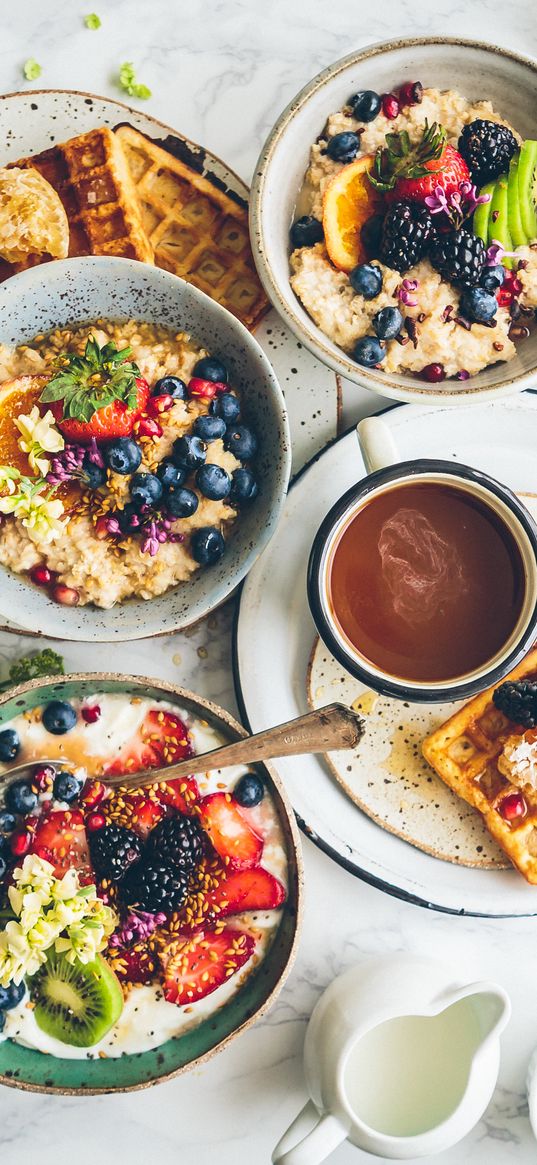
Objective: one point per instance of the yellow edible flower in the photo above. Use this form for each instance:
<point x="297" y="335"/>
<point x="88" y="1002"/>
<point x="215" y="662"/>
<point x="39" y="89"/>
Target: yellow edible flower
<point x="38" y="512"/>
<point x="39" y="436"/>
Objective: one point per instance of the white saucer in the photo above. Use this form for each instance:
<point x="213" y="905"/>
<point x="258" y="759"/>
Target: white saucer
<point x="275" y="632"/>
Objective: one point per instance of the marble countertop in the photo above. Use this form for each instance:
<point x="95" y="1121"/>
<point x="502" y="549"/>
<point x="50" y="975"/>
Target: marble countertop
<point x="221" y="71"/>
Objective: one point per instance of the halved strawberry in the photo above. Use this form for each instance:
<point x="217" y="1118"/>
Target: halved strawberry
<point x="181" y="794"/>
<point x="98" y="394"/>
<point x="135" y="809"/>
<point x="231" y="835"/>
<point x="60" y="838"/>
<point x="114" y="420"/>
<point x="196" y="966"/>
<point x="447" y="171"/>
<point x="163" y="739"/>
<point x="247" y="890"/>
<point x="136" y="964"/>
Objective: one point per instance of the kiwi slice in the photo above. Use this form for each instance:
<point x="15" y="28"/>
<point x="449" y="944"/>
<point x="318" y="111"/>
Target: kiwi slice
<point x="499" y="217"/>
<point x="482" y="213"/>
<point x="76" y="1003"/>
<point x="514" y="216"/>
<point x="527" y="167"/>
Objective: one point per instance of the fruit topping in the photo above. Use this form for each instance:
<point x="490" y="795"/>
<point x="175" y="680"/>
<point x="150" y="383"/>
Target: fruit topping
<point x="155" y="885"/>
<point x="145" y="489"/>
<point x="66" y="787"/>
<point x="213" y="481"/>
<point x="100" y="394"/>
<point x="249" y="790"/>
<point x="349" y="201"/>
<point x="407" y="234"/>
<point x="170" y="386"/>
<point x="246" y="890"/>
<point x="368" y="351"/>
<point x="411" y="93"/>
<point x="67" y="596"/>
<point x="513" y="807"/>
<point x="306" y="231"/>
<point x="60" y="838"/>
<point x="76" y="1002"/>
<point x="434" y="373"/>
<point x="182" y="502"/>
<point x="459" y="257"/>
<point x="160" y="404"/>
<point x="133" y="964"/>
<point x="20" y="797"/>
<point x="7" y="822"/>
<point x="178" y="841"/>
<point x="366" y="280"/>
<point x="343" y="147"/>
<point x="90" y="713"/>
<point x="182" y="793"/>
<point x="41" y="575"/>
<point x="122" y="456"/>
<point x="226" y="406"/>
<point x="231" y="835"/>
<point x="211" y="368"/>
<point x="517" y="699"/>
<point x="189" y="452"/>
<point x="172" y="476"/>
<point x="58" y="717"/>
<point x="162" y="739"/>
<point x="9" y="745"/>
<point x="527" y="165"/>
<point x="390" y="105"/>
<point x="493" y="278"/>
<point x="413" y="170"/>
<point x="207" y="545"/>
<point x="196" y="966"/>
<point x="487" y="147"/>
<point x="20" y="842"/>
<point x="114" y="849"/>
<point x="478" y="305"/>
<point x="242" y="442"/>
<point x="209" y="428"/>
<point x="95" y="821"/>
<point x="11" y="995"/>
<point x="365" y="105"/>
<point x="387" y="323"/>
<point x="244" y="487"/>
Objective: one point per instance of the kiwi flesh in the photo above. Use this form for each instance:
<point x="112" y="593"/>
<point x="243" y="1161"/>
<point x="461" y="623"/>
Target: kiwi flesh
<point x="76" y="1003"/>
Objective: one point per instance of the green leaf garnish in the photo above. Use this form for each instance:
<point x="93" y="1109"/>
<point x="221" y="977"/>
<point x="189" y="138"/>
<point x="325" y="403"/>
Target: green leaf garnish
<point x="398" y="158"/>
<point x="92" y="21"/>
<point x="31" y="69"/>
<point x="128" y="82"/>
<point x="30" y="667"/>
<point x="90" y="382"/>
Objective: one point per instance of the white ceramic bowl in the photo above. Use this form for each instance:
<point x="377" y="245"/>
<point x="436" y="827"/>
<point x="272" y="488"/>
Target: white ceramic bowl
<point x="476" y="70"/>
<point x="78" y="290"/>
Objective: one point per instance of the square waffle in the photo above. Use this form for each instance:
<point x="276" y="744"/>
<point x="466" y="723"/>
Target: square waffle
<point x="196" y="230"/>
<point x="92" y="178"/>
<point x="465" y="752"/>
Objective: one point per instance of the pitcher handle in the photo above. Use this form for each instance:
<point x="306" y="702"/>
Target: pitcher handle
<point x="315" y="1146"/>
<point x="376" y="443"/>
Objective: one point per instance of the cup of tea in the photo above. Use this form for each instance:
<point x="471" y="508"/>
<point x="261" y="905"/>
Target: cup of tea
<point x="422" y="578"/>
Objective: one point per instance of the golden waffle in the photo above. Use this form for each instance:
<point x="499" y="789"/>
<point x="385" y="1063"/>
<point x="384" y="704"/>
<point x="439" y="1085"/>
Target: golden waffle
<point x="94" y="183"/>
<point x="196" y="229"/>
<point x="465" y="751"/>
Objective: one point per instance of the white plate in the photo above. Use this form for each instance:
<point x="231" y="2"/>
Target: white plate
<point x="275" y="632"/>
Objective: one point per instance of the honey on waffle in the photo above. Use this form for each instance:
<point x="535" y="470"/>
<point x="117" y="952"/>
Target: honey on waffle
<point x="196" y="230"/>
<point x="93" y="180"/>
<point x="465" y="752"/>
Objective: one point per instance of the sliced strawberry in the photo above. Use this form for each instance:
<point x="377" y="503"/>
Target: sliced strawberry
<point x="247" y="890"/>
<point x="114" y="420"/>
<point x="60" y="838"/>
<point x="136" y="810"/>
<point x="163" y="739"/>
<point x="231" y="835"/>
<point x="196" y="966"/>
<point x="181" y="794"/>
<point x="447" y="171"/>
<point x="136" y="964"/>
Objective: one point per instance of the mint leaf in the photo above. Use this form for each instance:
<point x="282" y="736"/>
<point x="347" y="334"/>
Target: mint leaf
<point x="92" y="21"/>
<point x="31" y="69"/>
<point x="128" y="82"/>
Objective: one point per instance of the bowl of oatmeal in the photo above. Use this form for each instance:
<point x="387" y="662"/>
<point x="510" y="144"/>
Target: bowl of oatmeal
<point x="144" y="450"/>
<point x="393" y="216"/>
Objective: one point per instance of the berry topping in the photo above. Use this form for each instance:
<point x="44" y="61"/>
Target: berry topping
<point x="407" y="234"/>
<point x="67" y="596"/>
<point x="366" y="280"/>
<point x="92" y="793"/>
<point x="145" y="489"/>
<point x="9" y="745"/>
<point x="205" y="389"/>
<point x="20" y="842"/>
<point x="100" y="394"/>
<point x="66" y="787"/>
<point x="387" y="323"/>
<point x="195" y="966"/>
<point x="148" y="427"/>
<point x="246" y="890"/>
<point x="411" y="93"/>
<point x="242" y="442"/>
<point x="178" y="841"/>
<point x="170" y="386"/>
<point x="43" y="777"/>
<point x="517" y="699"/>
<point x="93" y="476"/>
<point x="58" y="717"/>
<point x="249" y="790"/>
<point x="493" y="278"/>
<point x="155" y="885"/>
<point x="60" y="838"/>
<point x="41" y="575"/>
<point x="182" y="502"/>
<point x="209" y="428"/>
<point x="231" y="835"/>
<point x="306" y="231"/>
<point x="160" y="404"/>
<point x="213" y="482"/>
<point x="434" y="373"/>
<point x="365" y="105"/>
<point x="189" y="452"/>
<point x="343" y="147"/>
<point x="244" y="487"/>
<point x="368" y="351"/>
<point x="10" y="996"/>
<point x="459" y="257"/>
<point x="90" y="713"/>
<point x="162" y="739"/>
<point x="114" y="850"/>
<point x="478" y="305"/>
<point x="171" y="476"/>
<point x="211" y="368"/>
<point x="20" y="797"/>
<point x="181" y="794"/>
<point x="134" y="964"/>
<point x="226" y="406"/>
<point x="513" y="807"/>
<point x="207" y="545"/>
<point x="122" y="456"/>
<point x="487" y="147"/>
<point x="371" y="235"/>
<point x="95" y="821"/>
<point x="390" y="105"/>
<point x="7" y="821"/>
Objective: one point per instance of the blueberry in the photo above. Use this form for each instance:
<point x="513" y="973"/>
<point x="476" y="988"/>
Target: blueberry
<point x="129" y="519"/>
<point x="226" y="406"/>
<point x="371" y="235"/>
<point x="492" y="277"/>
<point x="213" y="482"/>
<point x="368" y="351"/>
<point x="211" y="368"/>
<point x="58" y="717"/>
<point x="189" y="452"/>
<point x="11" y="995"/>
<point x="365" y="105"/>
<point x="207" y="545"/>
<point x="209" y="428"/>
<point x="478" y="304"/>
<point x="244" y="487"/>
<point x="171" y="476"/>
<point x="366" y="280"/>
<point x="387" y="323"/>
<point x="20" y="797"/>
<point x="343" y="147"/>
<point x="9" y="744"/>
<point x="170" y="386"/>
<point x="66" y="787"/>
<point x="7" y="821"/>
<point x="94" y="475"/>
<point x="249" y="790"/>
<point x="182" y="503"/>
<point x="241" y="442"/>
<point x="2" y="1020"/>
<point x="307" y="231"/>
<point x="146" y="489"/>
<point x="122" y="456"/>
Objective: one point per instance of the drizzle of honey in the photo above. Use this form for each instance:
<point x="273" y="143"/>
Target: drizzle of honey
<point x="402" y="752"/>
<point x="16" y="397"/>
<point x="365" y="702"/>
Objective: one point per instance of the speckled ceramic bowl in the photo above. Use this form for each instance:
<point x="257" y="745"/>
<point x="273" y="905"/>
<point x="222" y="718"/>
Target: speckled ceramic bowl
<point x="73" y="291"/>
<point x="29" y="1069"/>
<point x="476" y="70"/>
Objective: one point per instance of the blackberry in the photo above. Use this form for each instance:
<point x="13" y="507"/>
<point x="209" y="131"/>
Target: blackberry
<point x="517" y="699"/>
<point x="178" y="841"/>
<point x="487" y="148"/>
<point x="459" y="257"/>
<point x="156" y="885"/>
<point x="114" y="849"/>
<point x="407" y="233"/>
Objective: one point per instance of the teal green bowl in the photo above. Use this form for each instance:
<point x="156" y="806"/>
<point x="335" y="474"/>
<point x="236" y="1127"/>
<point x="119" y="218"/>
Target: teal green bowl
<point x="33" y="1071"/>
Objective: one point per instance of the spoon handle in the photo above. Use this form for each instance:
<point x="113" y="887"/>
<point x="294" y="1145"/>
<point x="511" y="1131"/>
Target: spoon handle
<point x="335" y="726"/>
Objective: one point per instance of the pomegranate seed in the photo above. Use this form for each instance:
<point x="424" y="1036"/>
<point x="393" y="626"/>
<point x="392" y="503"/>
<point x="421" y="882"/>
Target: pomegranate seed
<point x="68" y="596"/>
<point x="41" y="576"/>
<point x="504" y="297"/>
<point x="203" y="388"/>
<point x="160" y="404"/>
<point x="390" y="105"/>
<point x="434" y="373"/>
<point x="95" y="821"/>
<point x="20" y="842"/>
<point x="411" y="93"/>
<point x="91" y="713"/>
<point x="92" y="793"/>
<point x="43" y="777"/>
<point x="148" y="427"/>
<point x="513" y="807"/>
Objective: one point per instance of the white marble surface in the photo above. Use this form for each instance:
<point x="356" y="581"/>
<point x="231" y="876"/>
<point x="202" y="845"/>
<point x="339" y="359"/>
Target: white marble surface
<point x="221" y="71"/>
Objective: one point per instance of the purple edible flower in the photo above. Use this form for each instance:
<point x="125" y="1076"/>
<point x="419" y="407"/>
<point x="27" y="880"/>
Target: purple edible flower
<point x="406" y="287"/>
<point x="112" y="524"/>
<point x="156" y="533"/>
<point x="496" y="253"/>
<point x="94" y="454"/>
<point x="457" y="206"/>
<point x="66" y="465"/>
<point x="137" y="927"/>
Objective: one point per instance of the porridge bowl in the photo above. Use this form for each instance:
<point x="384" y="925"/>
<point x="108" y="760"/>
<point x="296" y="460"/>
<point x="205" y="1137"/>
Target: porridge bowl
<point x="144" y="450"/>
<point x="440" y="360"/>
<point x="168" y="981"/>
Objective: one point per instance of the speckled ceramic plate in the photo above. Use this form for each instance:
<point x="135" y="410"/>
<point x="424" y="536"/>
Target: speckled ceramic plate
<point x="275" y="632"/>
<point x="26" y="1068"/>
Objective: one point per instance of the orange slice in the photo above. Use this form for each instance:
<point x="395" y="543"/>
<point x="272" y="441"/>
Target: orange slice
<point x="17" y="396"/>
<point x="349" y="200"/>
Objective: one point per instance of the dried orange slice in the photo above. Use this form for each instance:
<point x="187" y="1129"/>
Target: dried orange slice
<point x="349" y="200"/>
<point x="17" y="396"/>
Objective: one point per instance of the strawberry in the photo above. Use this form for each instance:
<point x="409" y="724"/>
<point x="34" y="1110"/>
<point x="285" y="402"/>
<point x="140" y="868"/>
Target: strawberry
<point x="60" y="838"/>
<point x="247" y="890"/>
<point x="134" y="809"/>
<point x="412" y="171"/>
<point x="232" y="837"/>
<point x="448" y="171"/>
<point x="115" y="419"/>
<point x="100" y="394"/>
<point x="196" y="966"/>
<point x="135" y="964"/>
<point x="162" y="739"/>
<point x="181" y="794"/>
